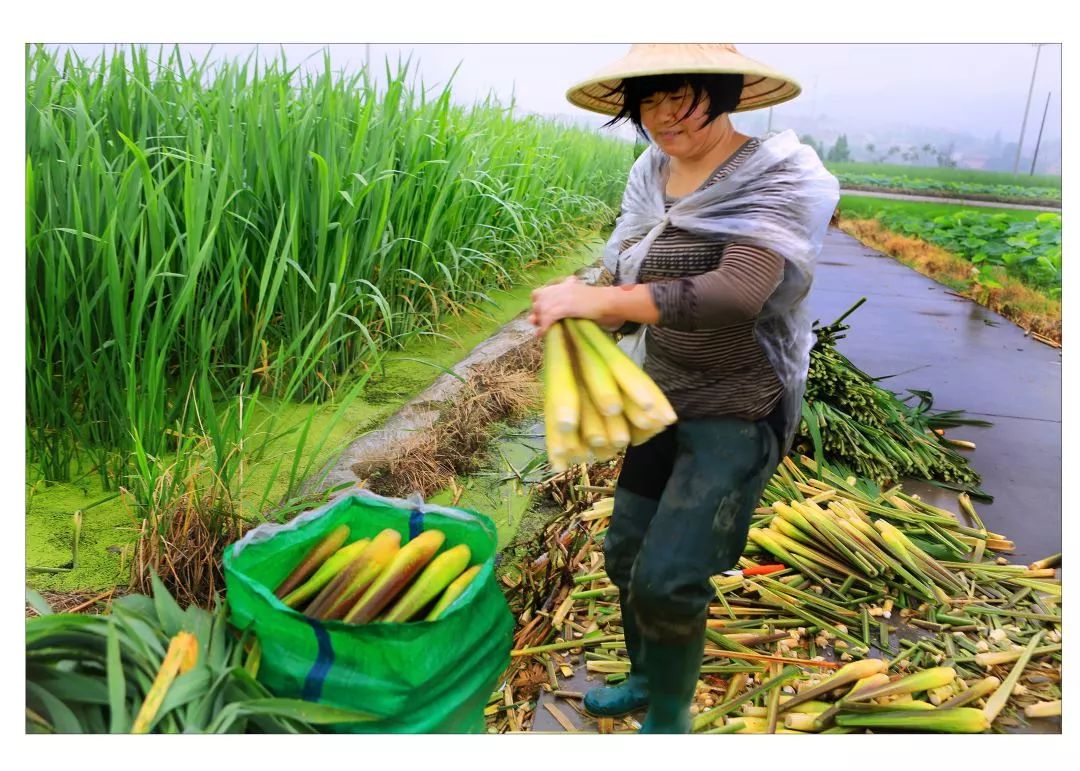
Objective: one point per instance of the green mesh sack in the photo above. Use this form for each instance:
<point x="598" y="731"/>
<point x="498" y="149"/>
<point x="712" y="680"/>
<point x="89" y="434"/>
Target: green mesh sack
<point x="416" y="677"/>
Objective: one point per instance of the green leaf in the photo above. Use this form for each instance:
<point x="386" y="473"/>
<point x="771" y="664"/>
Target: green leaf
<point x="296" y="709"/>
<point x="43" y="628"/>
<point x="93" y="720"/>
<point x="119" y="722"/>
<point x="144" y="633"/>
<point x="59" y="714"/>
<point x="296" y="266"/>
<point x="199" y="622"/>
<point x="217" y="651"/>
<point x="137" y="603"/>
<point x="814" y="430"/>
<point x="169" y="613"/>
<point x="74" y="232"/>
<point x="38" y="603"/>
<point x="191" y="685"/>
<point x="71" y="687"/>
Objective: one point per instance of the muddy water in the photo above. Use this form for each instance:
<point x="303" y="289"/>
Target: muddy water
<point x="110" y="527"/>
<point x="503" y="488"/>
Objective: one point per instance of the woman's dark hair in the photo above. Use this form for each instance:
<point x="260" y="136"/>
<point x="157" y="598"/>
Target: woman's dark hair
<point x="723" y="91"/>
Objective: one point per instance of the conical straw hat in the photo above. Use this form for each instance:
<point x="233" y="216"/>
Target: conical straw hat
<point x="764" y="86"/>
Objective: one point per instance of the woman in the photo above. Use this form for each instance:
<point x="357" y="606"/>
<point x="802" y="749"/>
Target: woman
<point x="710" y="259"/>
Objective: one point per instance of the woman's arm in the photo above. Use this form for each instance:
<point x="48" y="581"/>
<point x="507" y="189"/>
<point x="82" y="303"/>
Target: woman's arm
<point x="610" y="306"/>
<point x="630" y="303"/>
<point x="736" y="291"/>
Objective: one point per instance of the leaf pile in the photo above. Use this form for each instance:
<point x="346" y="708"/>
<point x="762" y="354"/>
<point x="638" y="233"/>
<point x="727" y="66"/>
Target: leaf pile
<point x="95" y="674"/>
<point x="851" y="421"/>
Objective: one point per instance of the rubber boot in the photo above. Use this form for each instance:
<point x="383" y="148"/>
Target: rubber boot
<point x="633" y="692"/>
<point x="673" y="670"/>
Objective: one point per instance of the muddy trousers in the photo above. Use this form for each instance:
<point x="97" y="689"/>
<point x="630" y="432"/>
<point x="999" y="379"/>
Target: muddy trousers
<point x="683" y="503"/>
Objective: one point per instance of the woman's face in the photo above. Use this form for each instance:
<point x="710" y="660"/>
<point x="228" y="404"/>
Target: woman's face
<point x="686" y="138"/>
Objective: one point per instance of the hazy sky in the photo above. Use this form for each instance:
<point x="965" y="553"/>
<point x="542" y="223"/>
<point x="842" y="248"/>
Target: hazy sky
<point x="976" y="88"/>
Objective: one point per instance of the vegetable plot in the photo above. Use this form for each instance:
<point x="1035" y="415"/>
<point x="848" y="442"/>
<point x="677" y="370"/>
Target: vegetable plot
<point x="1027" y="248"/>
<point x="917" y="184"/>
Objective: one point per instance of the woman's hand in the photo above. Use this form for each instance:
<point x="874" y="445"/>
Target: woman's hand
<point x="569" y="299"/>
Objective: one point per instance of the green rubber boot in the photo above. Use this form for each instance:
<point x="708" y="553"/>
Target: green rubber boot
<point x="633" y="692"/>
<point x="673" y="671"/>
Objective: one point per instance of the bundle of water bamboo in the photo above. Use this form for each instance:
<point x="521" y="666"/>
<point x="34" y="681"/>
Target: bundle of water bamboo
<point x="848" y="418"/>
<point x="377" y="579"/>
<point x="596" y="399"/>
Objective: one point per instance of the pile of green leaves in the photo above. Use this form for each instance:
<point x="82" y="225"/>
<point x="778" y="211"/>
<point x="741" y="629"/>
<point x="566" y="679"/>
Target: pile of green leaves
<point x="91" y="674"/>
<point x="848" y="419"/>
<point x="959" y="188"/>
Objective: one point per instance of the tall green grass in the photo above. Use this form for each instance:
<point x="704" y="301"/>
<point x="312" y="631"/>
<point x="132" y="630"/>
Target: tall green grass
<point x="201" y="235"/>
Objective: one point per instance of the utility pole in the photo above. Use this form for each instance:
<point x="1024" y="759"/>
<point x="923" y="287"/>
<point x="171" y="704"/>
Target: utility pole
<point x="1038" y="141"/>
<point x="768" y="130"/>
<point x="1023" y="125"/>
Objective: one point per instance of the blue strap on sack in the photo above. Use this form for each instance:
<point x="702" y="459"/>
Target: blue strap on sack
<point x="416" y="523"/>
<point x="313" y="683"/>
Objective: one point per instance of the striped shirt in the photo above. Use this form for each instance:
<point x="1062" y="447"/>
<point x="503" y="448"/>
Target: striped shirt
<point x="703" y="353"/>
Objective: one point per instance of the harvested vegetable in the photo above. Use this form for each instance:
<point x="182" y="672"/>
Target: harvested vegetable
<point x="313" y="559"/>
<point x="840" y="551"/>
<point x="853" y="421"/>
<point x="596" y="399"/>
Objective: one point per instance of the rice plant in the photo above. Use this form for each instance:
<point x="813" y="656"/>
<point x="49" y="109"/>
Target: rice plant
<point x="203" y="237"/>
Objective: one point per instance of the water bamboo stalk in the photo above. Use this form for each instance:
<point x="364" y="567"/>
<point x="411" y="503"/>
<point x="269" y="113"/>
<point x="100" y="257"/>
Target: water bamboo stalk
<point x="708" y="717"/>
<point x="997" y="700"/>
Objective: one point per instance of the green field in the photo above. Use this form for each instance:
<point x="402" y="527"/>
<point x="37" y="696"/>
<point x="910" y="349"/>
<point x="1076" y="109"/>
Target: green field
<point x="110" y="526"/>
<point x="945" y="182"/>
<point x="867" y="207"/>
<point x="220" y="254"/>
<point x="943" y="174"/>
<point x="1025" y="244"/>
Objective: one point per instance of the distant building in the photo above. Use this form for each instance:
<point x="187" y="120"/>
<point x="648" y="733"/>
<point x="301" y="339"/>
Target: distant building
<point x="973" y="162"/>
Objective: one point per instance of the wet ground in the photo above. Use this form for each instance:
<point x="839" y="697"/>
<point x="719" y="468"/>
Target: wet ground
<point x="503" y="488"/>
<point x="969" y="358"/>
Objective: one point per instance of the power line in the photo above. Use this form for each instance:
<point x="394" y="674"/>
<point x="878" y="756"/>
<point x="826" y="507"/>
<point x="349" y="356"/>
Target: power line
<point x="1038" y="141"/>
<point x="1027" y="106"/>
